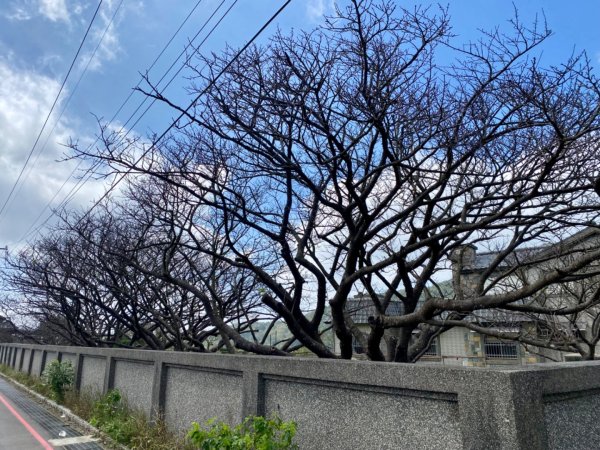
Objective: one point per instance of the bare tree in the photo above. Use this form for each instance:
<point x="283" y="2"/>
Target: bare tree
<point x="562" y="316"/>
<point x="97" y="280"/>
<point x="351" y="159"/>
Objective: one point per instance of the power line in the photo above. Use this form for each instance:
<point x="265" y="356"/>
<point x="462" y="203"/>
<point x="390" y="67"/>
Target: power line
<point x="178" y="71"/>
<point x="173" y="124"/>
<point x="87" y="175"/>
<point x="51" y="110"/>
<point x="67" y="102"/>
<point x="79" y="184"/>
<point x="48" y="204"/>
<point x="159" y="55"/>
<point x="72" y="93"/>
<point x="190" y="106"/>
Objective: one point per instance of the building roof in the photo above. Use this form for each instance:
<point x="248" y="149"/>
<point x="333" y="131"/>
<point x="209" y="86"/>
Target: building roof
<point x="522" y="256"/>
<point x="361" y="308"/>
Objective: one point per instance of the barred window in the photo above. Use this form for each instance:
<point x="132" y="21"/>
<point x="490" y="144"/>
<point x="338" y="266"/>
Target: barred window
<point x="361" y="308"/>
<point x="433" y="349"/>
<point x="496" y="349"/>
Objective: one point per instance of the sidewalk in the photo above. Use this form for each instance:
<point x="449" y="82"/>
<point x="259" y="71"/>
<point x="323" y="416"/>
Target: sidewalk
<point x="27" y="425"/>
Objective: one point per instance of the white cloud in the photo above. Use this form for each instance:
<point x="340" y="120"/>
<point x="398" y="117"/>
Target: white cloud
<point x="316" y="9"/>
<point x="104" y="33"/>
<point x="76" y="16"/>
<point x="54" y="10"/>
<point x="18" y="13"/>
<point x="25" y="100"/>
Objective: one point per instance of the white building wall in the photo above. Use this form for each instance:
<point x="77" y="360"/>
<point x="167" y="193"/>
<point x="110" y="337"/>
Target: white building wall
<point x="452" y="346"/>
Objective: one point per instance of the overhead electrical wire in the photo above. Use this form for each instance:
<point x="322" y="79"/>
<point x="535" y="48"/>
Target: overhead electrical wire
<point x="159" y="55"/>
<point x="74" y="90"/>
<point x="86" y="175"/>
<point x="194" y="101"/>
<point x="10" y="194"/>
<point x="225" y="14"/>
<point x="67" y="102"/>
<point x="190" y="106"/>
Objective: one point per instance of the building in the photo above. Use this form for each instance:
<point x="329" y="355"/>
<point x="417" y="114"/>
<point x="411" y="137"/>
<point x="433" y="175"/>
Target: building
<point x="528" y="265"/>
<point x="462" y="346"/>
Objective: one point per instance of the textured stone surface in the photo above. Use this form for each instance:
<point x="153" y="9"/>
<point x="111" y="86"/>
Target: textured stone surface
<point x="92" y="374"/>
<point x="502" y="410"/>
<point x="356" y="405"/>
<point x="572" y="423"/>
<point x="15" y="362"/>
<point x="196" y="396"/>
<point x="26" y="357"/>
<point x="71" y="357"/>
<point x="134" y="381"/>
<point x="37" y="363"/>
<point x="340" y="417"/>
<point x="50" y="356"/>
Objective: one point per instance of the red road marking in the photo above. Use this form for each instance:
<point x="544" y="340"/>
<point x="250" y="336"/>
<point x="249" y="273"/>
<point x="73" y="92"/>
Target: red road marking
<point x="29" y="428"/>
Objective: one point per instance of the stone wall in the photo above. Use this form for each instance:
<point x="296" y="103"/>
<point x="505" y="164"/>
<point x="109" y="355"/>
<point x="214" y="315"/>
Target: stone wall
<point x="348" y="404"/>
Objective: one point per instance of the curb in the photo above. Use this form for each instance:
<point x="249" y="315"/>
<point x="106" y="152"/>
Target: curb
<point x="85" y="426"/>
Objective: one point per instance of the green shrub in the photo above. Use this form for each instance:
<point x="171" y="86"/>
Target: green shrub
<point x="254" y="433"/>
<point x="111" y="415"/>
<point x="59" y="376"/>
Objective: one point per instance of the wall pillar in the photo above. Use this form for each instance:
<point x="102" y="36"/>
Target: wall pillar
<point x="109" y="374"/>
<point x="14" y="358"/>
<point x="253" y="394"/>
<point x="159" y="385"/>
<point x="78" y="370"/>
<point x="21" y="359"/>
<point x="43" y="362"/>
<point x="502" y="411"/>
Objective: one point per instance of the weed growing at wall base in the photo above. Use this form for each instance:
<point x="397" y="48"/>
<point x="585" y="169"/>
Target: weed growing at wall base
<point x="59" y="376"/>
<point x="254" y="433"/>
<point x="111" y="414"/>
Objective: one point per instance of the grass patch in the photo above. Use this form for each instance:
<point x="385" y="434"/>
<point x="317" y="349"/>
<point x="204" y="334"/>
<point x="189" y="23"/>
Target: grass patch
<point x="32" y="382"/>
<point x="111" y="414"/>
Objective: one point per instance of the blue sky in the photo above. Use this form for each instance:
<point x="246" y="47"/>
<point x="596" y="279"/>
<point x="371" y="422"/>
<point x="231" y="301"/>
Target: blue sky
<point x="38" y="39"/>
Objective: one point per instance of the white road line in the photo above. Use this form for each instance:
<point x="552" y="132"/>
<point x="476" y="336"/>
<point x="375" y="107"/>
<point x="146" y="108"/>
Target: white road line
<point x="72" y="440"/>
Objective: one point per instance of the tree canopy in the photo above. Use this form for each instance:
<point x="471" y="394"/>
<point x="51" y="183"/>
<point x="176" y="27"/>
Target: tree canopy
<point x="351" y="159"/>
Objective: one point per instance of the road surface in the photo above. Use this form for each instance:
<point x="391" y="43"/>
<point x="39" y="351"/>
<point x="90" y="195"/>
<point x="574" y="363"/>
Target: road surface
<point x="25" y="424"/>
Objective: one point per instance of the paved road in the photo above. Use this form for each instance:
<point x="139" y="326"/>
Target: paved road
<point x="27" y="425"/>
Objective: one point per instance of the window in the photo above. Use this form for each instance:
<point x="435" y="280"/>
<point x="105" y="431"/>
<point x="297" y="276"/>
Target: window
<point x="496" y="349"/>
<point x="358" y="349"/>
<point x="543" y="332"/>
<point x="433" y="350"/>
